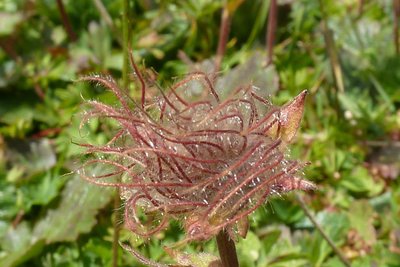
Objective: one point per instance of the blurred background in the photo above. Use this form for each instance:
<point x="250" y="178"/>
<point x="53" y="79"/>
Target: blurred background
<point x="346" y="53"/>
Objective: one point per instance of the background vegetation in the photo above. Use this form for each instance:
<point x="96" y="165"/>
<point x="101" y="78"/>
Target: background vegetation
<point x="345" y="52"/>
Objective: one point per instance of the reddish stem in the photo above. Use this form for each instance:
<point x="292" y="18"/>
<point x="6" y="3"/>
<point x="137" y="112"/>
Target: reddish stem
<point x="223" y="37"/>
<point x="396" y="13"/>
<point x="271" y="30"/>
<point x="227" y="250"/>
<point x="66" y="22"/>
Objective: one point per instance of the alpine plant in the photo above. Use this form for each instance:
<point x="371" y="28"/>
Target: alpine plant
<point x="194" y="156"/>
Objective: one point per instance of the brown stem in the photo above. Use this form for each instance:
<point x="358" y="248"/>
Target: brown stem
<point x="66" y="22"/>
<point x="227" y="250"/>
<point x="360" y="7"/>
<point x="271" y="30"/>
<point x="18" y="219"/>
<point x="125" y="47"/>
<point x="321" y="231"/>
<point x="396" y="13"/>
<point x="39" y="91"/>
<point x="8" y="46"/>
<point x="223" y="37"/>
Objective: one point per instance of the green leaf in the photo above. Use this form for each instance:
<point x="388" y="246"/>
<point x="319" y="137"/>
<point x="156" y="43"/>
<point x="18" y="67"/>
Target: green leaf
<point x="75" y="214"/>
<point x="249" y="249"/>
<point x="335" y="226"/>
<point x="43" y="192"/>
<point x="18" y="246"/>
<point x="8" y="22"/>
<point x="361" y="182"/>
<point x="361" y="216"/>
<point x="29" y="157"/>
<point x="252" y="71"/>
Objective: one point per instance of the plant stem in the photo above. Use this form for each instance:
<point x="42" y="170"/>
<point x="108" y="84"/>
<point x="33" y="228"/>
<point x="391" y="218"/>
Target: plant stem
<point x="271" y="30"/>
<point x="332" y="51"/>
<point x="227" y="250"/>
<point x="125" y="81"/>
<point x="107" y="19"/>
<point x="321" y="231"/>
<point x="396" y="14"/>
<point x="116" y="228"/>
<point x="360" y="7"/>
<point x="223" y="37"/>
<point x="125" y="47"/>
<point x="66" y="21"/>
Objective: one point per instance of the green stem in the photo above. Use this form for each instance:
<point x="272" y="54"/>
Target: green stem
<point x="321" y="231"/>
<point x="125" y="81"/>
<point x="116" y="228"/>
<point x="107" y="20"/>
<point x="125" y="47"/>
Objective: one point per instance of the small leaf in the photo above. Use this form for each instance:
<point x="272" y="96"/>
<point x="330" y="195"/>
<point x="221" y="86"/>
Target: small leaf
<point x="76" y="213"/>
<point x="252" y="71"/>
<point x="249" y="248"/>
<point x="361" y="216"/>
<point x="360" y="181"/>
<point x="29" y="157"/>
<point x="8" y="22"/>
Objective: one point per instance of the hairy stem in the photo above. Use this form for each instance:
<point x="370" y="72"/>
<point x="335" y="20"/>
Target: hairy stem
<point x="125" y="79"/>
<point x="321" y="231"/>
<point x="227" y="250"/>
<point x="116" y="228"/>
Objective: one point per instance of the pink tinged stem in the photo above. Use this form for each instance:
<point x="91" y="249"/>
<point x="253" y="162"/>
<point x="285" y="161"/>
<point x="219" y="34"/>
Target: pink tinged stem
<point x="223" y="37"/>
<point x="266" y="184"/>
<point x="259" y="202"/>
<point x="226" y="171"/>
<point x="142" y="259"/>
<point x="112" y="85"/>
<point x="271" y="29"/>
<point x="265" y="119"/>
<point x="195" y="76"/>
<point x="140" y="77"/>
<point x="134" y="227"/>
<point x="232" y="193"/>
<point x="235" y="115"/>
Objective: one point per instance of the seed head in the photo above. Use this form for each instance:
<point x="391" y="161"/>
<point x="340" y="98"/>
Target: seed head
<point x="193" y="156"/>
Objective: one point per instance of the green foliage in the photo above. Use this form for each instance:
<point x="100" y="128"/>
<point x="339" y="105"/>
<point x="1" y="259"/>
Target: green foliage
<point x="351" y="137"/>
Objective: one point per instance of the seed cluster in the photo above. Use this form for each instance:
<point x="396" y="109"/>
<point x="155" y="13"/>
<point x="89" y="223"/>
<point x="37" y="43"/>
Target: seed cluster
<point x="192" y="156"/>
